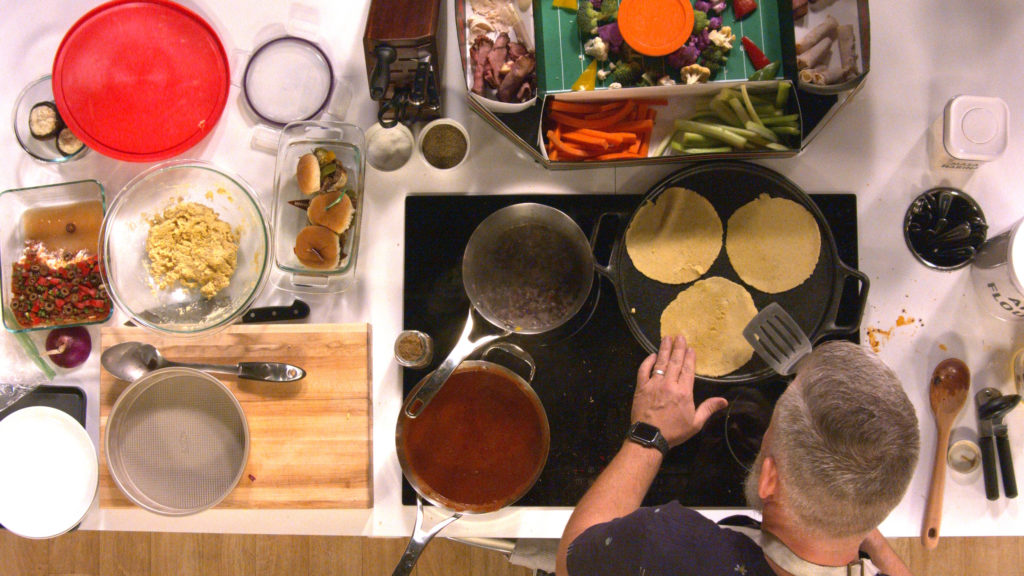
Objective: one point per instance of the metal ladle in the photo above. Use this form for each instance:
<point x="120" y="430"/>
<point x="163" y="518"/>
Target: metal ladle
<point x="130" y="361"/>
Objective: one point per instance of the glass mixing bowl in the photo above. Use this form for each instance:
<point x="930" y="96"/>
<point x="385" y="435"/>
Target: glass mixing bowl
<point x="174" y="308"/>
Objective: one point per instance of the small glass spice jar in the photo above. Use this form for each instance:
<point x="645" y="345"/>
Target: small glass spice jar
<point x="444" y="143"/>
<point x="414" y="349"/>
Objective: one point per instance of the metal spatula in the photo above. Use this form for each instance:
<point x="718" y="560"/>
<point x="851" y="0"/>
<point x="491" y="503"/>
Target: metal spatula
<point x="777" y="339"/>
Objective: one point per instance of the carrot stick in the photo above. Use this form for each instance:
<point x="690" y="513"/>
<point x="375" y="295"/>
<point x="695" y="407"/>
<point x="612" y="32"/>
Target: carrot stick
<point x="634" y="126"/>
<point x="574" y="107"/>
<point x="613" y="138"/>
<point x="615" y="156"/>
<point x="564" y="148"/>
<point x="585" y="140"/>
<point x="553" y="154"/>
<point x="655" y="101"/>
<point x="602" y="114"/>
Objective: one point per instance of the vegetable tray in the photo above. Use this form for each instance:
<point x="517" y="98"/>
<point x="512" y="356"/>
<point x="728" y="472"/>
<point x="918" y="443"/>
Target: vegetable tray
<point x="561" y="60"/>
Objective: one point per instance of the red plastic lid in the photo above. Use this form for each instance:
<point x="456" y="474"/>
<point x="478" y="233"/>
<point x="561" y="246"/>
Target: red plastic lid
<point x="141" y="80"/>
<point x="655" y="27"/>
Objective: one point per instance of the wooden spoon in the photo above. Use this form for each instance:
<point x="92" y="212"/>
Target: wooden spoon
<point x="950" y="383"/>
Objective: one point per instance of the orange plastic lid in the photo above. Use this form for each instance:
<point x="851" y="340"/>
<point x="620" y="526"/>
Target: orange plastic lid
<point x="655" y="27"/>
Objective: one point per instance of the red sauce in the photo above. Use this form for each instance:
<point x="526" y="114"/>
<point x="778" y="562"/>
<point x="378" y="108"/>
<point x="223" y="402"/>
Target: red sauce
<point x="480" y="443"/>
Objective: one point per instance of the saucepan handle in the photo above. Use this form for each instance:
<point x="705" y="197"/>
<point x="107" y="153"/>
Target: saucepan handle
<point x="515" y="351"/>
<point x="831" y="325"/>
<point x="419" y="540"/>
<point x="607" y="269"/>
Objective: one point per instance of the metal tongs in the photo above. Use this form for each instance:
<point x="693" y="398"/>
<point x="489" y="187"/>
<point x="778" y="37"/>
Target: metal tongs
<point x="993" y="437"/>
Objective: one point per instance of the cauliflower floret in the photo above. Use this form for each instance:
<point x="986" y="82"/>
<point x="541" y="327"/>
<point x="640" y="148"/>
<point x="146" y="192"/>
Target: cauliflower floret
<point x="602" y="74"/>
<point x="695" y="73"/>
<point x="596" y="48"/>
<point x="615" y="85"/>
<point x="666" y="81"/>
<point x="723" y="37"/>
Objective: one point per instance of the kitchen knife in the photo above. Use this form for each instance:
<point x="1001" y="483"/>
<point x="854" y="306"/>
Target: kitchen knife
<point x="296" y="311"/>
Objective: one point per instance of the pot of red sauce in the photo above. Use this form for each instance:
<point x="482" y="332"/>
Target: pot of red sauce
<point x="479" y="446"/>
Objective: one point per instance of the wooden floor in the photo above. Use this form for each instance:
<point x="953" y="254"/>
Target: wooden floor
<point x="138" y="553"/>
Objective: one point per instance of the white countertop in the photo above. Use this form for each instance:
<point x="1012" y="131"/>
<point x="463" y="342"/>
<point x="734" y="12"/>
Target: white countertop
<point x="923" y="53"/>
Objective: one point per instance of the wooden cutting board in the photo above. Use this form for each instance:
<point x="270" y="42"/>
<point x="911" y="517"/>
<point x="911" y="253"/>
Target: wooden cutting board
<point x="309" y="444"/>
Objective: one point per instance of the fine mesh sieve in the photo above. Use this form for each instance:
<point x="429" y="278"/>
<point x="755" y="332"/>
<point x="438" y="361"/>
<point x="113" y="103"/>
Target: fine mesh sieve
<point x="176" y="441"/>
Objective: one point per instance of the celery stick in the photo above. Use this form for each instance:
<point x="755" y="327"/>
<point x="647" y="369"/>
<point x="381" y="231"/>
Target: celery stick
<point x="751" y="136"/>
<point x="737" y="107"/>
<point x="782" y="95"/>
<point x="776" y="146"/>
<point x="766" y="110"/>
<point x="660" y="149"/>
<point x="677" y="146"/>
<point x="692" y="140"/>
<point x="787" y="130"/>
<point x="716" y="132"/>
<point x="712" y="150"/>
<point x="749" y="105"/>
<point x="762" y="131"/>
<point x="725" y="114"/>
<point x="776" y="120"/>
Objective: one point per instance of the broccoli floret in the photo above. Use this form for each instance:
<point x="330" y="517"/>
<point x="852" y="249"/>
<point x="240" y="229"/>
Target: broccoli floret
<point x="609" y="10"/>
<point x="713" y="58"/>
<point x="700" y="21"/>
<point x="596" y="49"/>
<point x="626" y="73"/>
<point x="587" y="18"/>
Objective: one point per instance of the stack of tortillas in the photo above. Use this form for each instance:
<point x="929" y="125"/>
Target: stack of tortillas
<point x="773" y="245"/>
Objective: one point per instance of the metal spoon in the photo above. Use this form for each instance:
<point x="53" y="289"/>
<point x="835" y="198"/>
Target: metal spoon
<point x="947" y="392"/>
<point x="131" y="360"/>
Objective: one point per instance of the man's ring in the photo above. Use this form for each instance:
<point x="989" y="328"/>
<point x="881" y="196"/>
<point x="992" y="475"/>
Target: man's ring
<point x="659" y="372"/>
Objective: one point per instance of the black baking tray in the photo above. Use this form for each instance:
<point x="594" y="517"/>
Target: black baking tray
<point x="68" y="399"/>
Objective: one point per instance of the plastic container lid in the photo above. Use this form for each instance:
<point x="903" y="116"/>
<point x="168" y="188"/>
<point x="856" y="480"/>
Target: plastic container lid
<point x="49" y="475"/>
<point x="288" y="79"/>
<point x="141" y="80"/>
<point x="655" y="27"/>
<point x="975" y="127"/>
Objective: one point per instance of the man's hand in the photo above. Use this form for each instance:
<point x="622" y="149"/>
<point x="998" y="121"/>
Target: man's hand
<point x="664" y="393"/>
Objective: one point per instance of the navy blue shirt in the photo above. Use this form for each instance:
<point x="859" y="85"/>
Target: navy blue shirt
<point x="665" y="540"/>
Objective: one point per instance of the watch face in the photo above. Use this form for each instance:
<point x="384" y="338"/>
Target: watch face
<point x="644" y="432"/>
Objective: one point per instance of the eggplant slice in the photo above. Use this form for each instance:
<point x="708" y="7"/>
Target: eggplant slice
<point x="67" y="143"/>
<point x="44" y="120"/>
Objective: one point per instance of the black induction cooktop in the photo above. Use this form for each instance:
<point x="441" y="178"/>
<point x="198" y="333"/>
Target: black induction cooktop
<point x="586" y="370"/>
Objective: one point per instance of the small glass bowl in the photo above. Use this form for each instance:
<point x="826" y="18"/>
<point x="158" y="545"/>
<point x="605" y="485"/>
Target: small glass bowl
<point x="13" y="205"/>
<point x="44" y="150"/>
<point x="177" y="310"/>
<point x="424" y="136"/>
<point x="299" y="138"/>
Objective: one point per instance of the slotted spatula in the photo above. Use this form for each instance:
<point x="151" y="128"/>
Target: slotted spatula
<point x="777" y="339"/>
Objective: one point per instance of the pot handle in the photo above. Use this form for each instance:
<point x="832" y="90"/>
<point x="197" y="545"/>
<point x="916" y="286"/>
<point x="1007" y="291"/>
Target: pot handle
<point x="419" y="540"/>
<point x="516" y="351"/>
<point x="831" y="327"/>
<point x="463" y="348"/>
<point x="607" y="270"/>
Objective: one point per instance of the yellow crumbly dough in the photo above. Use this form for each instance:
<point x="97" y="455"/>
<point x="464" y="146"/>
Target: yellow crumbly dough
<point x="189" y="244"/>
<point x="773" y="244"/>
<point x="712" y="314"/>
<point x="676" y="238"/>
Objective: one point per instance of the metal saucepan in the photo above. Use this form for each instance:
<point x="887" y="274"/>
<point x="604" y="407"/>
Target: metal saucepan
<point x="528" y="269"/>
<point x="728" y="186"/>
<point x="480" y="445"/>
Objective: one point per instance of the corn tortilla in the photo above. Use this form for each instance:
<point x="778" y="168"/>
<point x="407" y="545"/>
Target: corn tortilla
<point x="773" y="244"/>
<point x="676" y="238"/>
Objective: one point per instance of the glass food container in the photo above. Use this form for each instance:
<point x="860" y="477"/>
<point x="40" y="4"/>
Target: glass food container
<point x="63" y="218"/>
<point x="291" y="216"/>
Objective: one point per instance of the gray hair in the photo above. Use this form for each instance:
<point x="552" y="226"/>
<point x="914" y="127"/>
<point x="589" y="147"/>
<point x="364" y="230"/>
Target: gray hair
<point x="845" y="440"/>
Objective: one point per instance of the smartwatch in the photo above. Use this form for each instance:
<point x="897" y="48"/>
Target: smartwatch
<point x="649" y="436"/>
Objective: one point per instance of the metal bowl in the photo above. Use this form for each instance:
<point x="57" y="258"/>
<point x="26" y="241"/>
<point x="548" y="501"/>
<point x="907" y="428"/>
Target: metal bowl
<point x="955" y="208"/>
<point x="176" y="441"/>
<point x="174" y="309"/>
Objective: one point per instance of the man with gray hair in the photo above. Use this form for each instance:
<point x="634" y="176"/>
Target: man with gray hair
<point x="836" y="459"/>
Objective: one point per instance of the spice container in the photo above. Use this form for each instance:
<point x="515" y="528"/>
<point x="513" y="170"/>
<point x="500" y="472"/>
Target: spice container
<point x="388" y="149"/>
<point x="56" y="281"/>
<point x="971" y="131"/>
<point x="414" y="349"/>
<point x="444" y="143"/>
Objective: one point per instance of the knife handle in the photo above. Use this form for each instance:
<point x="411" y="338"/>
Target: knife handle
<point x="1006" y="466"/>
<point x="296" y="311"/>
<point x="988" y="466"/>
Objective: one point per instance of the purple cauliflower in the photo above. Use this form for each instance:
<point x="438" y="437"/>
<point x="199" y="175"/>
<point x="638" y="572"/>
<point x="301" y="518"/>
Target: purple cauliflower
<point x="702" y="5"/>
<point x="714" y="23"/>
<point x="700" y="41"/>
<point x="611" y="36"/>
<point x="685" y="56"/>
<point x="718" y="6"/>
<point x="596" y="4"/>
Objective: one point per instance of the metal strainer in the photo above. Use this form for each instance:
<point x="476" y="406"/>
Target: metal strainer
<point x="176" y="441"/>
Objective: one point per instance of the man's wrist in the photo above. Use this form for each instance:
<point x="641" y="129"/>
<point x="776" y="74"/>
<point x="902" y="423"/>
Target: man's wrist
<point x="648" y="436"/>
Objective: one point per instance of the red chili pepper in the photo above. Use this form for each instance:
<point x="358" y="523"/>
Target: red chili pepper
<point x="756" y="56"/>
<point x="60" y="302"/>
<point x="741" y="8"/>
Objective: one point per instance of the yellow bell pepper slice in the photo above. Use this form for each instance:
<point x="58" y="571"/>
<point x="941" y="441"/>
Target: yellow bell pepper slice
<point x="567" y="4"/>
<point x="588" y="79"/>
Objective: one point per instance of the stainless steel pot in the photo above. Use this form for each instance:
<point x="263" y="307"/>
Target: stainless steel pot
<point x="527" y="269"/>
<point x="479" y="447"/>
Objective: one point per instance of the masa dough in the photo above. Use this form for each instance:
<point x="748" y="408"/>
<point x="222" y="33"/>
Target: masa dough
<point x="676" y="238"/>
<point x="711" y="314"/>
<point x="189" y="244"/>
<point x="773" y="244"/>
